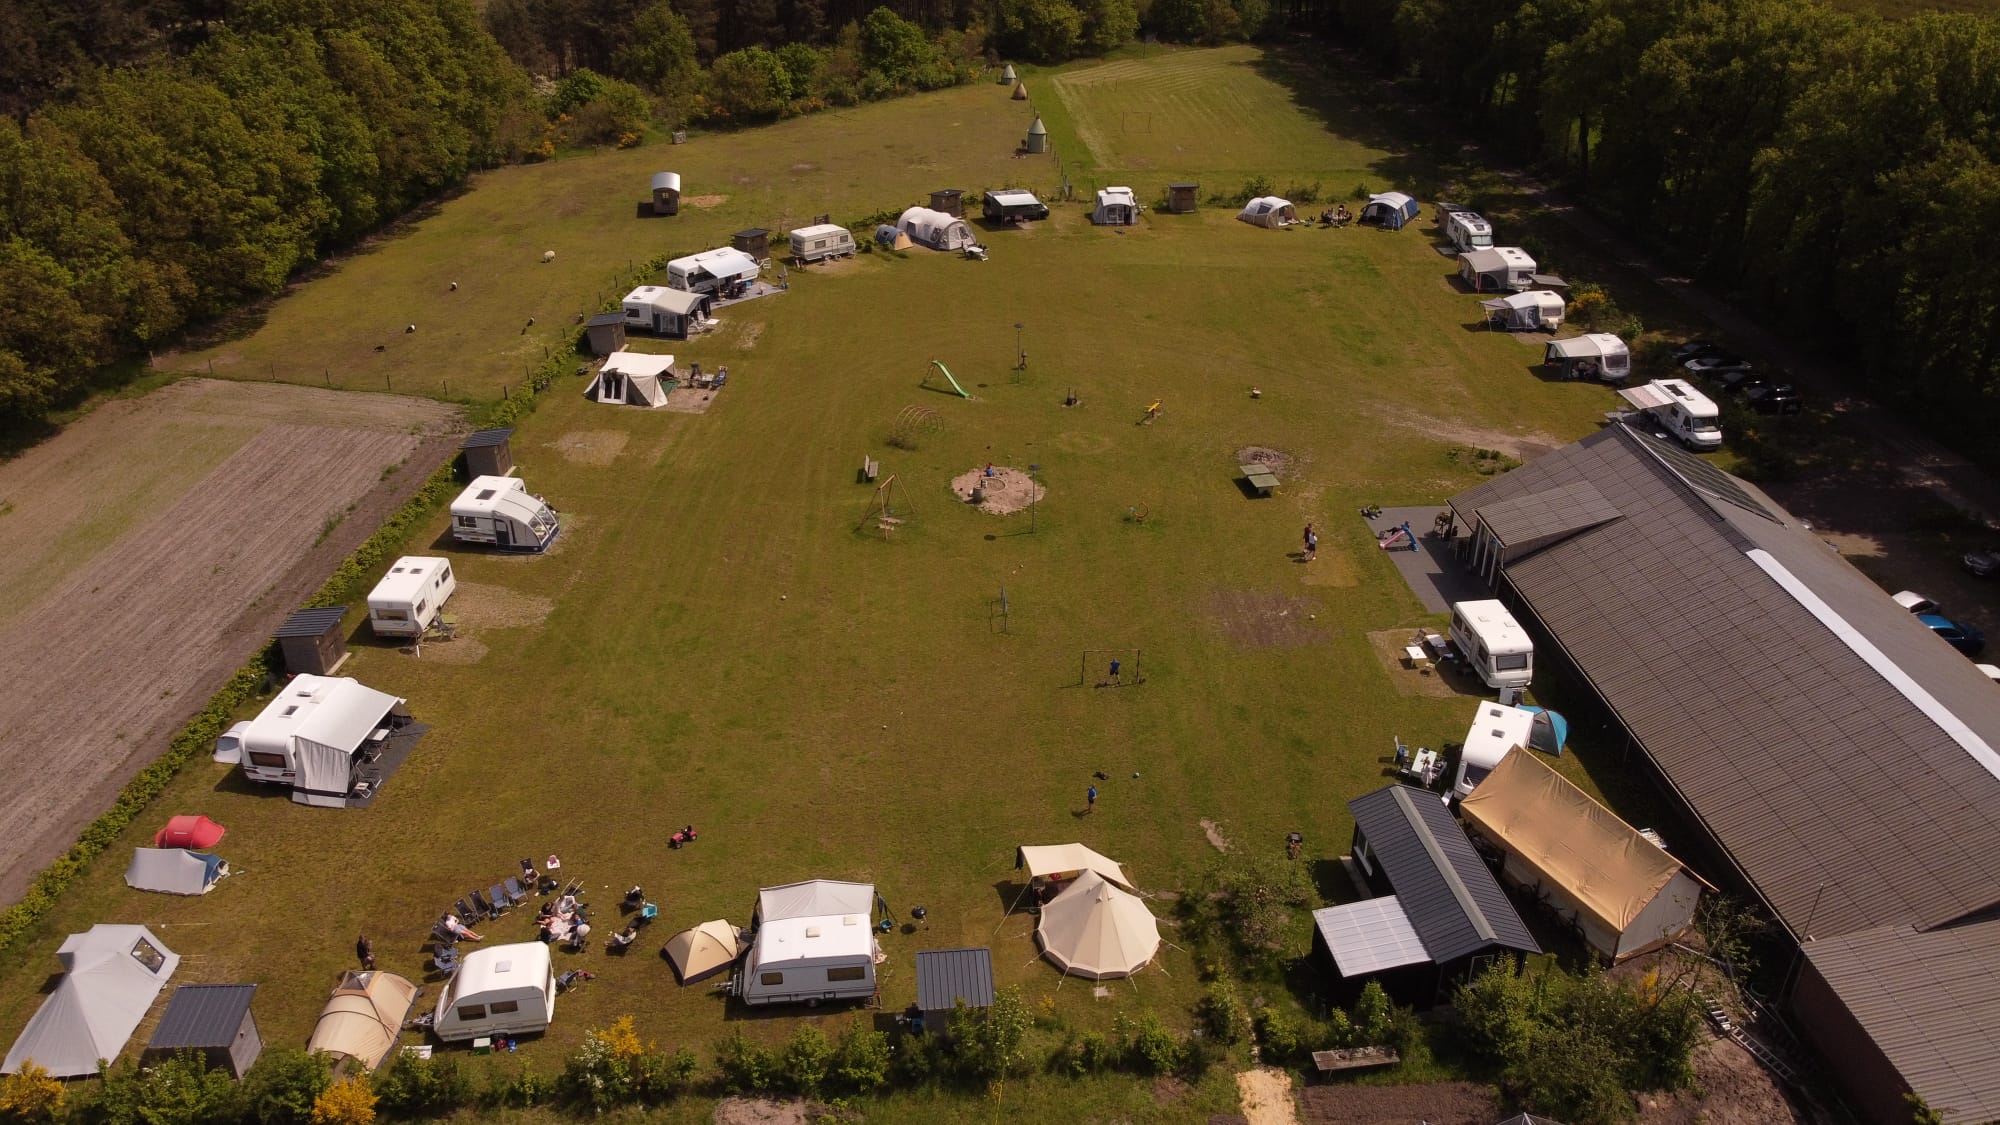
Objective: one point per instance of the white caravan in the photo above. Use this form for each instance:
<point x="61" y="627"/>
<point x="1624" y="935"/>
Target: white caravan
<point x="1497" y="267"/>
<point x="500" y="512"/>
<point x="675" y="313"/>
<point x="502" y="990"/>
<point x="711" y="270"/>
<point x="311" y="735"/>
<point x="1496" y="729"/>
<point x="824" y="240"/>
<point x="809" y="960"/>
<point x="1468" y="231"/>
<point x="1676" y="407"/>
<point x="409" y="598"/>
<point x="1493" y="643"/>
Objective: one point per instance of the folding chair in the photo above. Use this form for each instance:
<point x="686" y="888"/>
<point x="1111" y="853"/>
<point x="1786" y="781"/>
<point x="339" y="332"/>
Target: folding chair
<point x="483" y="905"/>
<point x="442" y="935"/>
<point x="528" y="872"/>
<point x="648" y="912"/>
<point x="445" y="958"/>
<point x="466" y="914"/>
<point x="516" y="893"/>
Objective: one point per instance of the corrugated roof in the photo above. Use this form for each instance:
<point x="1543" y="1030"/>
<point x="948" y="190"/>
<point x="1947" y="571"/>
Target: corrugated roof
<point x="310" y="622"/>
<point x="202" y="1015"/>
<point x="1931" y="1002"/>
<point x="1523" y="523"/>
<point x="946" y="976"/>
<point x="481" y="438"/>
<point x="1370" y="936"/>
<point x="1452" y="900"/>
<point x="602" y="319"/>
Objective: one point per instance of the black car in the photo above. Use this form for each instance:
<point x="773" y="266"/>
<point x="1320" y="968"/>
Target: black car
<point x="1695" y="349"/>
<point x="1772" y="398"/>
<point x="1715" y="363"/>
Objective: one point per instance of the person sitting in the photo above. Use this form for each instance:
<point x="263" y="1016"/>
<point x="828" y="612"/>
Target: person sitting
<point x="579" y="934"/>
<point x="1342" y="216"/>
<point x="635" y="897"/>
<point x="459" y="929"/>
<point x="566" y="904"/>
<point x="625" y="937"/>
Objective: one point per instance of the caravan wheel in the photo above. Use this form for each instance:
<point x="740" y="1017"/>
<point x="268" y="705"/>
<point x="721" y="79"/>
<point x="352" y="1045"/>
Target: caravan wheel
<point x="812" y="1002"/>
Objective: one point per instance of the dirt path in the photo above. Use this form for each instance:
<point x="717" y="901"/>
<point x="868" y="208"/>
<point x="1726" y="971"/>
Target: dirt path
<point x="1267" y="1097"/>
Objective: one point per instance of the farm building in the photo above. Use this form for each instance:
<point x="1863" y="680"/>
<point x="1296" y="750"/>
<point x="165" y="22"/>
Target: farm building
<point x="663" y="311"/>
<point x="935" y="229"/>
<point x="1873" y="840"/>
<point x="174" y="871"/>
<point x="363" y="1017"/>
<point x="947" y="978"/>
<point x="1182" y="199"/>
<point x="500" y="512"/>
<point x="1599" y="355"/>
<point x="1497" y="268"/>
<point x="488" y="453"/>
<point x="111" y="975"/>
<point x="821" y="241"/>
<point x="411" y="596"/>
<point x="212" y="1020"/>
<point x="1620" y="890"/>
<point x="310" y="640"/>
<point x="1268" y="211"/>
<point x="666" y="193"/>
<point x="633" y="379"/>
<point x="1441" y="916"/>
<point x="1116" y="207"/>
<point x="1391" y="210"/>
<point x="605" y="333"/>
<point x="951" y="201"/>
<point x="1537" y="310"/>
<point x="712" y="270"/>
<point x="313" y="734"/>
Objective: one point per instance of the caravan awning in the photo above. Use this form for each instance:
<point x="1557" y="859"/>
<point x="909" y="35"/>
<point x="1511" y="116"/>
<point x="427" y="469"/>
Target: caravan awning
<point x="1054" y="859"/>
<point x="815" y="898"/>
<point x="1595" y="345"/>
<point x="1646" y="397"/>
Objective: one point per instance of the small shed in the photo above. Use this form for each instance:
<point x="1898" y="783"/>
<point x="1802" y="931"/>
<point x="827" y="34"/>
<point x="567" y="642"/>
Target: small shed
<point x="487" y="453"/>
<point x="755" y="242"/>
<point x="1038" y="134"/>
<point x="1007" y="74"/>
<point x="948" y="977"/>
<point x="213" y="1019"/>
<point x="606" y="332"/>
<point x="1183" y="198"/>
<point x="666" y="193"/>
<point x="310" y="641"/>
<point x="950" y="200"/>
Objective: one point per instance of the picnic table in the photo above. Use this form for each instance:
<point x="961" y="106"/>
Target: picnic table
<point x="1354" y="1058"/>
<point x="1262" y="479"/>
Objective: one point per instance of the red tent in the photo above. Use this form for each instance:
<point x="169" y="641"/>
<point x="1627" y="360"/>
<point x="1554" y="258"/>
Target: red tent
<point x="189" y="832"/>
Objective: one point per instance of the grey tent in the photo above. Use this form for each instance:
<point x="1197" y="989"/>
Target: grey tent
<point x="174" y="871"/>
<point x="213" y="1019"/>
<point x="111" y="975"/>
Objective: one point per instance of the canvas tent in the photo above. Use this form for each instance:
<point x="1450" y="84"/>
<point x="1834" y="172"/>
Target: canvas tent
<point x="363" y="1017"/>
<point x="1527" y="312"/>
<point x="1268" y="211"/>
<point x="1497" y="267"/>
<point x="814" y="898"/>
<point x="1391" y="210"/>
<point x="174" y="871"/>
<point x="1600" y="355"/>
<point x="111" y="975"/>
<point x="1041" y="860"/>
<point x="935" y="229"/>
<point x="703" y="950"/>
<point x="189" y="832"/>
<point x="1096" y="931"/>
<point x="1624" y="893"/>
<point x="1116" y="207"/>
<point x="633" y="379"/>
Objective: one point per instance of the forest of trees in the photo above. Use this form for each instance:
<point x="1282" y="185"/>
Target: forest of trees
<point x="1836" y="172"/>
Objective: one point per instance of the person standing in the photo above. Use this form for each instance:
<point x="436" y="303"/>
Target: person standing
<point x="365" y="951"/>
<point x="1312" y="543"/>
<point x="1090" y="800"/>
<point x="1114" y="671"/>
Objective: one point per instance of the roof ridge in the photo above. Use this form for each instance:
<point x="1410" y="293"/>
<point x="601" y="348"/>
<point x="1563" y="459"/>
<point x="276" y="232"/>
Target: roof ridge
<point x="1480" y="924"/>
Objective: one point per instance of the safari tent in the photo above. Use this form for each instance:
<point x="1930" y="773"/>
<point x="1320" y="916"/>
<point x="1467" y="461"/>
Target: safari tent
<point x="363" y="1017"/>
<point x="502" y="512"/>
<point x="189" y="832"/>
<point x="174" y="871"/>
<point x="111" y="976"/>
<point x="1096" y="931"/>
<point x="1268" y="211"/>
<point x="703" y="950"/>
<point x="935" y="229"/>
<point x="632" y="379"/>
<point x="1498" y="268"/>
<point x="1599" y="355"/>
<point x="665" y="311"/>
<point x="1116" y="207"/>
<point x="1391" y="210"/>
<point x="1623" y="892"/>
<point x="1539" y="309"/>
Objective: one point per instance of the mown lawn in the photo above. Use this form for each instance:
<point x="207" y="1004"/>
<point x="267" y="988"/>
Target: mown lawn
<point x="721" y="637"/>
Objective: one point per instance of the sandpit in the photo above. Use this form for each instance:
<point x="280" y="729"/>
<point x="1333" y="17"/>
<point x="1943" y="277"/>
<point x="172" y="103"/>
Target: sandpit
<point x="1002" y="489"/>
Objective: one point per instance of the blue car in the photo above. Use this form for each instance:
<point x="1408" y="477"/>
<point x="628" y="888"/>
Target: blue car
<point x="1964" y="638"/>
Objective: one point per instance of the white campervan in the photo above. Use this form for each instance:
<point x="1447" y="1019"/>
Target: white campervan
<point x="824" y="240"/>
<point x="1493" y="643"/>
<point x="501" y="512"/>
<point x="1468" y="231"/>
<point x="1676" y="407"/>
<point x="409" y="598"/>
<point x="1496" y="729"/>
<point x="504" y="990"/>
<point x="808" y="960"/>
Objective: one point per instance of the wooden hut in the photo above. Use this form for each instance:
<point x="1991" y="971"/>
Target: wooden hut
<point x="1183" y="198"/>
<point x="214" y="1021"/>
<point x="487" y="454"/>
<point x="755" y="242"/>
<point x="310" y="641"/>
<point x="951" y="201"/>
<point x="606" y="333"/>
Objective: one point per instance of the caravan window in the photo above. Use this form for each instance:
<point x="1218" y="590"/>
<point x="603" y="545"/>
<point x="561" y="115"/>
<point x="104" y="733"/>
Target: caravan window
<point x="506" y="1007"/>
<point x="391" y="615"/>
<point x="468" y="521"/>
<point x="771" y="978"/>
<point x="1511" y="662"/>
<point x="421" y="607"/>
<point x="471" y="1011"/>
<point x="851" y="972"/>
<point x="268" y="760"/>
<point x="444" y="575"/>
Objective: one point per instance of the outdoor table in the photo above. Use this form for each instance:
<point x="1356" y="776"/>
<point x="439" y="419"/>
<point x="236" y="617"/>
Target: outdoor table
<point x="1416" y="655"/>
<point x="1260" y="477"/>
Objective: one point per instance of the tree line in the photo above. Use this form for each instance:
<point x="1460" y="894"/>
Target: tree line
<point x="1836" y="171"/>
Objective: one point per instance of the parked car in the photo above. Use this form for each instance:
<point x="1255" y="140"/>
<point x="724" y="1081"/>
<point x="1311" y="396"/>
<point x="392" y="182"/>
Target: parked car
<point x="1915" y="602"/>
<point x="1964" y="638"/>
<point x="1772" y="398"/>
<point x="1695" y="349"/>
<point x="1983" y="564"/>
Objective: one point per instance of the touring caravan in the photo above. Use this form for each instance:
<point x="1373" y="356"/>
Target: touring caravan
<point x="1010" y="205"/>
<point x="712" y="270"/>
<point x="409" y="598"/>
<point x="1535" y="310"/>
<point x="1497" y="267"/>
<point x="1468" y="231"/>
<point x="814" y="941"/>
<point x="1496" y="729"/>
<point x="826" y="240"/>
<point x="499" y="511"/>
<point x="1683" y="412"/>
<point x="311" y="736"/>
<point x="1493" y="643"/>
<point x="674" y="313"/>
<point x="502" y="990"/>
<point x="1599" y="355"/>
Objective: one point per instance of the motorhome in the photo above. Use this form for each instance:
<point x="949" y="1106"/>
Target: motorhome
<point x="1010" y="205"/>
<point x="810" y="960"/>
<point x="410" y="597"/>
<point x="712" y="270"/>
<point x="1496" y="729"/>
<point x="1494" y="645"/>
<point x="1681" y="411"/>
<point x="1468" y="231"/>
<point x="314" y="734"/>
<point x="825" y="240"/>
<point x="499" y="511"/>
<point x="499" y="991"/>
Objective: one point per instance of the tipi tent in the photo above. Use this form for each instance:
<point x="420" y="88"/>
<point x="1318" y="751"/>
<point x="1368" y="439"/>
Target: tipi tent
<point x="1391" y="210"/>
<point x="935" y="229"/>
<point x="1268" y="211"/>
<point x="189" y="832"/>
<point x="111" y="975"/>
<point x="1037" y="139"/>
<point x="702" y="951"/>
<point x="1536" y="309"/>
<point x="632" y="379"/>
<point x="1116" y="207"/>
<point x="174" y="871"/>
<point x="1599" y="355"/>
<point x="363" y="1017"/>
<point x="1096" y="931"/>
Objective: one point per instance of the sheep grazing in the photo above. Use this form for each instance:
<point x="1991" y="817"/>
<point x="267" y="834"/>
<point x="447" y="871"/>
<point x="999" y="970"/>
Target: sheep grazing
<point x="454" y="286"/>
<point x="548" y="255"/>
<point x="531" y="322"/>
<point x="409" y="328"/>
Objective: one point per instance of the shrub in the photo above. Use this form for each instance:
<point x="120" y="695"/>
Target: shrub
<point x="861" y="1061"/>
<point x="1155" y="1050"/>
<point x="806" y="1060"/>
<point x="603" y="1072"/>
<point x="745" y="1067"/>
<point x="665" y="1077"/>
<point x="30" y="1095"/>
<point x="1221" y="1012"/>
<point x="1089" y="1053"/>
<point x="520" y="1090"/>
<point x="346" y="1102"/>
<point x="420" y="1087"/>
<point x="182" y="1090"/>
<point x="283" y="1085"/>
<point x="988" y="1042"/>
<point x="1282" y="1035"/>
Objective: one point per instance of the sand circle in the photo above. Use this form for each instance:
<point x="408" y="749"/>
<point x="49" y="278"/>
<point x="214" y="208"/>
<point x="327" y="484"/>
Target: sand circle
<point x="1002" y="489"/>
<point x="1276" y="460"/>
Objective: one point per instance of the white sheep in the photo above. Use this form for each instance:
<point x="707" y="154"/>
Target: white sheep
<point x="548" y="256"/>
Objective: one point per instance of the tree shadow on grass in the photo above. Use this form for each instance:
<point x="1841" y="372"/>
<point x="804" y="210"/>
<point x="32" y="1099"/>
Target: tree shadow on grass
<point x="1354" y="104"/>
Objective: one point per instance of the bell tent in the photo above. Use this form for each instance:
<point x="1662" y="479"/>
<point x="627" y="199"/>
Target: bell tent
<point x="1391" y="210"/>
<point x="111" y="975"/>
<point x="1268" y="211"/>
<point x="174" y="871"/>
<point x="1096" y="931"/>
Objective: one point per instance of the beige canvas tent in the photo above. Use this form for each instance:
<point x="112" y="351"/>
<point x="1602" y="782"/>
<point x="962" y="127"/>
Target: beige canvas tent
<point x="1096" y="931"/>
<point x="633" y="379"/>
<point x="1042" y="860"/>
<point x="363" y="1017"/>
<point x="1622" y="891"/>
<point x="702" y="951"/>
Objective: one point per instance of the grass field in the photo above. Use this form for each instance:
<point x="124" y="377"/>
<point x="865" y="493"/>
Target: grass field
<point x="719" y="636"/>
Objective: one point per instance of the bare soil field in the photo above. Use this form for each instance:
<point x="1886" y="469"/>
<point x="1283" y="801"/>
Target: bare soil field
<point x="153" y="546"/>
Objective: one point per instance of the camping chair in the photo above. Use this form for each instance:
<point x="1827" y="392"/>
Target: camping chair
<point x="516" y="893"/>
<point x="496" y="901"/>
<point x="467" y="914"/>
<point x="445" y="958"/>
<point x="442" y="935"/>
<point x="484" y="905"/>
<point x="647" y="912"/>
<point x="528" y="872"/>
